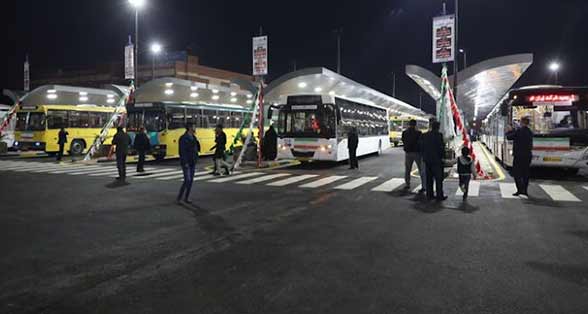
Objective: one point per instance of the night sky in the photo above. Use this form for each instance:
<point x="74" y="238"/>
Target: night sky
<point x="380" y="37"/>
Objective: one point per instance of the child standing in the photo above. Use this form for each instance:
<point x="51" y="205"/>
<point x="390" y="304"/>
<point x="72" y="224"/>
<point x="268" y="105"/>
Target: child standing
<point x="465" y="169"/>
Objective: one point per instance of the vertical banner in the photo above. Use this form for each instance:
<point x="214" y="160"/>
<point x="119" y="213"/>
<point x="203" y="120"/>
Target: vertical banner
<point x="27" y="76"/>
<point x="130" y="62"/>
<point x="444" y="39"/>
<point x="260" y="53"/>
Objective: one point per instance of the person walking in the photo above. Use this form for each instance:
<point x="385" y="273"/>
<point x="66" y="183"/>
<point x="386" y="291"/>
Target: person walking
<point x="189" y="149"/>
<point x="352" y="143"/>
<point x="523" y="155"/>
<point x="433" y="150"/>
<point x="219" y="151"/>
<point x="411" y="138"/>
<point x="142" y="145"/>
<point x="270" y="144"/>
<point x="466" y="169"/>
<point x="61" y="140"/>
<point x="121" y="141"/>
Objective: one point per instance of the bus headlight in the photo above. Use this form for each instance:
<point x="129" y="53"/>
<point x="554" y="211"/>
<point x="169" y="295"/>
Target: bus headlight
<point x="16" y="143"/>
<point x="37" y="144"/>
<point x="283" y="147"/>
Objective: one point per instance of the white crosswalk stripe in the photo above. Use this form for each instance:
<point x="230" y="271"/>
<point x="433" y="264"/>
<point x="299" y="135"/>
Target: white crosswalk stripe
<point x="181" y="175"/>
<point x="76" y="169"/>
<point x="293" y="180"/>
<point x="31" y="168"/>
<point x="16" y="167"/>
<point x="418" y="189"/>
<point x="237" y="177"/>
<point x="558" y="193"/>
<point x="507" y="190"/>
<point x="264" y="178"/>
<point x="150" y="170"/>
<point x="54" y="167"/>
<point x="474" y="190"/>
<point x="322" y="182"/>
<point x="389" y="185"/>
<point x="356" y="183"/>
<point x="100" y="170"/>
<point x="159" y="175"/>
<point x="586" y="188"/>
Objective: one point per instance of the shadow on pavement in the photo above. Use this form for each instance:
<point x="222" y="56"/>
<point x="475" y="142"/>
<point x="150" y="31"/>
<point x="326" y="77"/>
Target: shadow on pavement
<point x="570" y="273"/>
<point x="116" y="184"/>
<point x="212" y="224"/>
<point x="468" y="208"/>
<point x="431" y="207"/>
<point x="580" y="234"/>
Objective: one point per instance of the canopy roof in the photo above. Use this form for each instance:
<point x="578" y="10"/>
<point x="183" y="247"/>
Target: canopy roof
<point x="175" y="90"/>
<point x="480" y="86"/>
<point x="73" y="95"/>
<point x="321" y="81"/>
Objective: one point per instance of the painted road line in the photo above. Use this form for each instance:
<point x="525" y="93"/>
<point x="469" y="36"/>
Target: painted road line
<point x="91" y="171"/>
<point x="418" y="189"/>
<point x="474" y="189"/>
<point x="507" y="190"/>
<point x="32" y="168"/>
<point x="57" y="167"/>
<point x="559" y="193"/>
<point x="264" y="178"/>
<point x="322" y="182"/>
<point x="181" y="175"/>
<point x="586" y="188"/>
<point x="147" y="170"/>
<point x="76" y="169"/>
<point x="19" y="166"/>
<point x="389" y="185"/>
<point x="293" y="180"/>
<point x="160" y="175"/>
<point x="356" y="183"/>
<point x="238" y="177"/>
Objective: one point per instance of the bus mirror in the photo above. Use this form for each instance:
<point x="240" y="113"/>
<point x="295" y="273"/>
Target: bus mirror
<point x="504" y="109"/>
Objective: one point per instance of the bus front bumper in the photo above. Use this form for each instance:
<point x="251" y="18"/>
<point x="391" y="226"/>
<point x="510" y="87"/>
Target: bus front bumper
<point x="29" y="146"/>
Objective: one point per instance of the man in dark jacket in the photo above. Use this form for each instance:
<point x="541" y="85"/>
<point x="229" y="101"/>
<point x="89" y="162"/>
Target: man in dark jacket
<point x="411" y="138"/>
<point x="523" y="155"/>
<point x="62" y="139"/>
<point x="352" y="143"/>
<point x="189" y="149"/>
<point x="270" y="144"/>
<point x="433" y="150"/>
<point x="141" y="145"/>
<point x="121" y="141"/>
<point x="219" y="151"/>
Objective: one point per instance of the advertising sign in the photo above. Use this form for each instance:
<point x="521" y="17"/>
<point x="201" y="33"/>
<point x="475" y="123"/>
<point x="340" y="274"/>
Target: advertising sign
<point x="260" y="65"/>
<point x="130" y="62"/>
<point x="27" y="76"/>
<point x="444" y="39"/>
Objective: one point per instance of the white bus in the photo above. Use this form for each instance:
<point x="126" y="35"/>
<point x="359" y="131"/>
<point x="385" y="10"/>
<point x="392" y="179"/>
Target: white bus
<point x="559" y="121"/>
<point x="316" y="108"/>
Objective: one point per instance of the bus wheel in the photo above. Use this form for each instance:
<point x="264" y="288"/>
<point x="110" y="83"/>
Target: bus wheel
<point x="77" y="147"/>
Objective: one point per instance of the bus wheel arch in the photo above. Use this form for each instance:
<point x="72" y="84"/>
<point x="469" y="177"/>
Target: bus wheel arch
<point x="77" y="146"/>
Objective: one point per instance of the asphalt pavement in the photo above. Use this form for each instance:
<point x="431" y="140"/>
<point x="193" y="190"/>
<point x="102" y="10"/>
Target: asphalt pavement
<point x="315" y="238"/>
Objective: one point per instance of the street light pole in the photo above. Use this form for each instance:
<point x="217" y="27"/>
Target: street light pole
<point x="555" y="67"/>
<point x="394" y="84"/>
<point x="465" y="58"/>
<point x="155" y="50"/>
<point x="136" y="47"/>
<point x="455" y="63"/>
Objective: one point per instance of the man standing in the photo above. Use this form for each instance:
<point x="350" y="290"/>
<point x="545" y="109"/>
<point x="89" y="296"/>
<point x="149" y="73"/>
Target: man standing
<point x="352" y="143"/>
<point x="411" y="138"/>
<point x="62" y="139"/>
<point x="219" y="151"/>
<point x="189" y="149"/>
<point x="121" y="141"/>
<point x="433" y="150"/>
<point x="141" y="145"/>
<point x="523" y="155"/>
<point x="270" y="144"/>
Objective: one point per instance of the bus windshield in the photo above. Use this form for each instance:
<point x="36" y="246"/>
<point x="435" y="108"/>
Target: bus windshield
<point x="307" y="121"/>
<point x="550" y="119"/>
<point x="30" y="121"/>
<point x="397" y="125"/>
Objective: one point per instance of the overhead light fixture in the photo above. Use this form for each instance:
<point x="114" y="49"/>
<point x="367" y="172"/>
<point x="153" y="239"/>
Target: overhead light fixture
<point x="249" y="96"/>
<point x="318" y="89"/>
<point x="233" y="94"/>
<point x="110" y="96"/>
<point x="169" y="84"/>
<point x="84" y="98"/>
<point x="215" y="91"/>
<point x="110" y="100"/>
<point x="51" y="91"/>
<point x="302" y="85"/>
<point x="332" y="93"/>
<point x="83" y="93"/>
<point x="215" y="97"/>
<point x="52" y="96"/>
<point x="249" y="102"/>
<point x="234" y="99"/>
<point x="194" y="95"/>
<point x="194" y="88"/>
<point x="169" y="92"/>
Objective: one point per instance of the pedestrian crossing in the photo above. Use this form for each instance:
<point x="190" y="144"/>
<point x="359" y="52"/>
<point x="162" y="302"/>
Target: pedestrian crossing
<point x="478" y="189"/>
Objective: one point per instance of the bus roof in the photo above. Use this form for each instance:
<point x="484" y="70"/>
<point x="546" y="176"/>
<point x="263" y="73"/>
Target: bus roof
<point x="178" y="91"/>
<point x="49" y="95"/>
<point x="321" y="81"/>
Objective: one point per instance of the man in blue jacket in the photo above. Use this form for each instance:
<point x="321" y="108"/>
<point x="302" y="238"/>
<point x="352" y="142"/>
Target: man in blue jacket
<point x="433" y="150"/>
<point x="189" y="149"/>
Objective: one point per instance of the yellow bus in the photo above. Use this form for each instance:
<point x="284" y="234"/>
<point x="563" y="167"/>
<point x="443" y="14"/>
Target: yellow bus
<point x="83" y="112"/>
<point x="400" y="123"/>
<point x="164" y="107"/>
